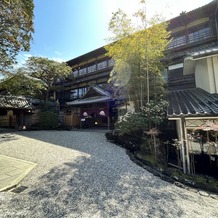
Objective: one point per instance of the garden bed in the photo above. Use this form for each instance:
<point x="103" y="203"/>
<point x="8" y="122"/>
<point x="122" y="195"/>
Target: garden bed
<point x="196" y="183"/>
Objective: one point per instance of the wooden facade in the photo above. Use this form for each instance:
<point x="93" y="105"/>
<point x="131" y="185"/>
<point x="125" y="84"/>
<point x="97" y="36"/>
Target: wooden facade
<point x="192" y="32"/>
<point x="89" y="83"/>
<point x="191" y="61"/>
<point x="15" y="112"/>
<point x="192" y="80"/>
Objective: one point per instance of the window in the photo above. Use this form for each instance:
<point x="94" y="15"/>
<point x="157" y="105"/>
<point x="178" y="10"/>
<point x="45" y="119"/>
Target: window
<point x="102" y="65"/>
<point x="199" y="34"/>
<point x="73" y="94"/>
<point x="82" y="71"/>
<point x="78" y="93"/>
<point x="177" y="41"/>
<point x="92" y="68"/>
<point x="75" y="73"/>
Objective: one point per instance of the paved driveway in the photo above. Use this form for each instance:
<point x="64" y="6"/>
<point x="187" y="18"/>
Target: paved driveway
<point x="80" y="174"/>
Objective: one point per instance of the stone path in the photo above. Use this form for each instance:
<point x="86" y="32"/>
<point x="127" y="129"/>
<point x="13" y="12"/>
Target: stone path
<point x="80" y="174"/>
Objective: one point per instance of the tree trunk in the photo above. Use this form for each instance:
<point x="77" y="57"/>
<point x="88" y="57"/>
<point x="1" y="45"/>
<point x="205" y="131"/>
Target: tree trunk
<point x="47" y="96"/>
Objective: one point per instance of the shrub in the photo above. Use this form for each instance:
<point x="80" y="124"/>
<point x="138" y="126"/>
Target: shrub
<point x="48" y="120"/>
<point x="132" y="124"/>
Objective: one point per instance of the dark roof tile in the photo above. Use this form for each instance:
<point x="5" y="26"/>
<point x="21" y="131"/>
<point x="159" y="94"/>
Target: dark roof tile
<point x="192" y="102"/>
<point x="14" y="102"/>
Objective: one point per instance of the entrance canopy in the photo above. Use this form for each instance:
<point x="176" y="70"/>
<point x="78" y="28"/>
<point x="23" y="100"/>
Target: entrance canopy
<point x="95" y="94"/>
<point x="95" y="107"/>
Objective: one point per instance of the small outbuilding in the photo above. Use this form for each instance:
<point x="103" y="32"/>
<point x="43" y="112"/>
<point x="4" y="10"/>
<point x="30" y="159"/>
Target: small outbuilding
<point x="15" y="111"/>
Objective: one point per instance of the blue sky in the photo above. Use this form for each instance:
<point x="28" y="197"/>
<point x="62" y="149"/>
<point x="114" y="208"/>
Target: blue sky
<point x="65" y="29"/>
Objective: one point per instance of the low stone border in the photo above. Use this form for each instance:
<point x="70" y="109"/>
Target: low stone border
<point x="166" y="176"/>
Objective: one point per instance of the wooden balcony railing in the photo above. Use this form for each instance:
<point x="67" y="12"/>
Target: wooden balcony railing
<point x="197" y="38"/>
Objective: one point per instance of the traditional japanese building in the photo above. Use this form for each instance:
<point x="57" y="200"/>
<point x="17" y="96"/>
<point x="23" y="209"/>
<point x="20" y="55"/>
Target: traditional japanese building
<point x="15" y="111"/>
<point x="191" y="74"/>
<point x="88" y="94"/>
<point x="191" y="60"/>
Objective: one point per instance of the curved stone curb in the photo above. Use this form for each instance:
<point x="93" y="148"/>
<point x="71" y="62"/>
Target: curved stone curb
<point x="169" y="179"/>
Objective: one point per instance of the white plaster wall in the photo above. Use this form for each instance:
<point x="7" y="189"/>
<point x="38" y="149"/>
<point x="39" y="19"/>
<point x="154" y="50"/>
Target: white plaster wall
<point x="178" y="128"/>
<point x="215" y="69"/>
<point x="201" y="75"/>
<point x="189" y="66"/>
<point x="206" y="74"/>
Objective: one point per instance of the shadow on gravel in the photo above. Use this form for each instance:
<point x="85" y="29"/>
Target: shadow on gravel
<point x="91" y="188"/>
<point x="96" y="186"/>
<point x="76" y="140"/>
<point x="5" y="137"/>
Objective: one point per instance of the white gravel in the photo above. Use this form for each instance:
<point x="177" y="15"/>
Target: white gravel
<point x="80" y="174"/>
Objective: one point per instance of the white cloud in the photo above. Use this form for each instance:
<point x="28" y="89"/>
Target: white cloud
<point x="58" y="59"/>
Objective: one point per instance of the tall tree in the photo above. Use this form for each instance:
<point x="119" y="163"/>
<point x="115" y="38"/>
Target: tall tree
<point x="48" y="71"/>
<point x="18" y="83"/>
<point x="16" y="29"/>
<point x="137" y="48"/>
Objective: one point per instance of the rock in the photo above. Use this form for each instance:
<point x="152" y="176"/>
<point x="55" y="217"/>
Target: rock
<point x="193" y="190"/>
<point x="179" y="185"/>
<point x="203" y="193"/>
<point x="214" y="196"/>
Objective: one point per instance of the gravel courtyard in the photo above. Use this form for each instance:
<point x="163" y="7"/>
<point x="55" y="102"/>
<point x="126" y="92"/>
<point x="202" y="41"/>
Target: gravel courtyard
<point x="80" y="174"/>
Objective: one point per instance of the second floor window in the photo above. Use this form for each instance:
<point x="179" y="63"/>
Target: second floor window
<point x="82" y="71"/>
<point x="193" y="35"/>
<point x="92" y="68"/>
<point x="199" y="35"/>
<point x="78" y="93"/>
<point x="102" y="65"/>
<point x="75" y="73"/>
<point x="178" y="41"/>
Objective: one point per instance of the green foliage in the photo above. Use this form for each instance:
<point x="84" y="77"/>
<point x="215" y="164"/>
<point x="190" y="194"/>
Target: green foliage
<point x="36" y="78"/>
<point x="154" y="112"/>
<point x="47" y="71"/>
<point x="150" y="116"/>
<point x="48" y="120"/>
<point x="21" y="84"/>
<point x="145" y="122"/>
<point x="16" y="29"/>
<point x="132" y="124"/>
<point x="137" y="51"/>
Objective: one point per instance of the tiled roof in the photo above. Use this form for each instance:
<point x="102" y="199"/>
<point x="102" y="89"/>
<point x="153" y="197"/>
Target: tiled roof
<point x="90" y="100"/>
<point x="95" y="94"/>
<point x="197" y="13"/>
<point x="192" y="102"/>
<point x="7" y="101"/>
<point x="205" y="52"/>
<point x="98" y="90"/>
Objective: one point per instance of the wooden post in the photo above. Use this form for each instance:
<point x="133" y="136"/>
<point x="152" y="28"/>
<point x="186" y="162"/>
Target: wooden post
<point x="186" y="150"/>
<point x="108" y="116"/>
<point x="182" y="146"/>
<point x="108" y="122"/>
